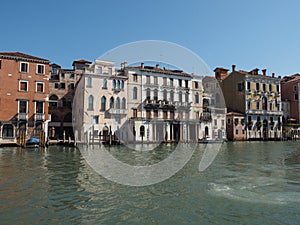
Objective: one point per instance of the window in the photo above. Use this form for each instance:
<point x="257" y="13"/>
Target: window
<point x="118" y="84"/>
<point x="215" y="122"/>
<point x="109" y="71"/>
<point x="295" y="88"/>
<point x="134" y="93"/>
<point x="165" y="95"/>
<point x="172" y="96"/>
<point x="23" y="85"/>
<point x="248" y="105"/>
<point x="91" y="102"/>
<point x="148" y="114"/>
<point x="53" y="101"/>
<point x="257" y="105"/>
<point x="165" y="81"/>
<point x="39" y="107"/>
<point x="40" y="69"/>
<point x="271" y="106"/>
<point x="277" y="88"/>
<point x="165" y="115"/>
<point x="22" y="106"/>
<point x="236" y="131"/>
<point x="264" y="103"/>
<point x="134" y="113"/>
<point x="270" y="87"/>
<point x="0" y="64"/>
<point x="147" y="79"/>
<point x="296" y="97"/>
<point x="180" y="96"/>
<point x="196" y="98"/>
<point x="62" y="75"/>
<point x="236" y="121"/>
<point x="148" y="94"/>
<point x="99" y="70"/>
<point x="155" y="80"/>
<point x="40" y="87"/>
<point x="223" y="122"/>
<point x="103" y="103"/>
<point x="122" y="84"/>
<point x="186" y="97"/>
<point x="171" y="82"/>
<point x="89" y="82"/>
<point x="248" y="85"/>
<point x="114" y="84"/>
<point x="264" y="87"/>
<point x="240" y="86"/>
<point x="24" y="67"/>
<point x="62" y="85"/>
<point x="257" y="86"/>
<point x="172" y="115"/>
<point x="180" y="83"/>
<point x="72" y="86"/>
<point x="56" y="85"/>
<point x="104" y="85"/>
<point x="196" y="85"/>
<point x="118" y="103"/>
<point x="123" y="103"/>
<point x="96" y="119"/>
<point x="228" y="121"/>
<point x="186" y="84"/>
<point x="155" y="113"/>
<point x="135" y="77"/>
<point x="155" y="94"/>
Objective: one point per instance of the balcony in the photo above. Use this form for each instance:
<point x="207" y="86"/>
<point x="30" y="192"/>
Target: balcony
<point x="117" y="89"/>
<point x="39" y="116"/>
<point x="265" y="112"/>
<point x="22" y="116"/>
<point x="205" y="117"/>
<point x="118" y="111"/>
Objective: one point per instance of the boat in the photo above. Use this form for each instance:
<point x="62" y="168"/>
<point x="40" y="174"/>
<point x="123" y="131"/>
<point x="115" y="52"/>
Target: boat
<point x="207" y="141"/>
<point x="32" y="143"/>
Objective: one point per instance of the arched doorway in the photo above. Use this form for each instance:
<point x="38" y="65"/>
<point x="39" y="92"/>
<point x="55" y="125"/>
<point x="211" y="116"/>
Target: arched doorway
<point x="206" y="130"/>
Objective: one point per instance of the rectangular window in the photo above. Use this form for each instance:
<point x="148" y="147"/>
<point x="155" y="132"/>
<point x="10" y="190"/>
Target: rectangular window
<point x="278" y="88"/>
<point x="165" y="115"/>
<point x="180" y="83"/>
<point x="264" y="87"/>
<point x="99" y="70"/>
<point x="270" y="87"/>
<point x="23" y="85"/>
<point x="172" y="115"/>
<point x="147" y="79"/>
<point x="0" y="64"/>
<point x="228" y="121"/>
<point x="248" y="85"/>
<point x="96" y="119"/>
<point x="165" y="81"/>
<point x="187" y="115"/>
<point x="257" y="105"/>
<point x="215" y="122"/>
<point x="40" y="69"/>
<point x="155" y="80"/>
<point x="62" y="75"/>
<point x="155" y="113"/>
<point x="240" y="86"/>
<point x="196" y="85"/>
<point x="24" y="67"/>
<point x="296" y="97"/>
<point x="134" y="77"/>
<point x="72" y="86"/>
<point x="271" y="106"/>
<point x="39" y="87"/>
<point x="248" y="105"/>
<point x="236" y="121"/>
<point x="62" y="85"/>
<point x="22" y="106"/>
<point x="134" y="113"/>
<point x="257" y="86"/>
<point x="223" y="122"/>
<point x="39" y="107"/>
<point x="186" y="84"/>
<point x="148" y="114"/>
<point x="236" y="131"/>
<point x="56" y="85"/>
<point x="171" y="82"/>
<point x="109" y="71"/>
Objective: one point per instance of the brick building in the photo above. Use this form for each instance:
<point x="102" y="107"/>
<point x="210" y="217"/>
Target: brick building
<point x="23" y="95"/>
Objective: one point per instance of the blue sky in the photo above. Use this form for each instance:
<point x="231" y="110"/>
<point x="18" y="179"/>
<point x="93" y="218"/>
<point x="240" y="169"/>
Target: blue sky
<point x="262" y="34"/>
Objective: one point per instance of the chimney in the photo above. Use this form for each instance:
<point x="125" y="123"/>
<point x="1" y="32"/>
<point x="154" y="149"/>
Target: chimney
<point x="157" y="66"/>
<point x="273" y="75"/>
<point x="233" y="68"/>
<point x="142" y="65"/>
<point x="264" y="71"/>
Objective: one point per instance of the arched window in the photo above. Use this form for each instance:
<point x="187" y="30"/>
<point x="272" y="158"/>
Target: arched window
<point x="148" y="93"/>
<point x="118" y="84"/>
<point x="122" y="84"/>
<point x="114" y="84"/>
<point x="264" y="103"/>
<point x="142" y="131"/>
<point x="123" y="103"/>
<point x="103" y="103"/>
<point x="112" y="103"/>
<point x="53" y="101"/>
<point x="134" y="93"/>
<point x="91" y="102"/>
<point x="180" y="96"/>
<point x="206" y="131"/>
<point x="104" y="86"/>
<point x="89" y="82"/>
<point x="118" y="103"/>
<point x="197" y="98"/>
<point x="165" y="95"/>
<point x="155" y="94"/>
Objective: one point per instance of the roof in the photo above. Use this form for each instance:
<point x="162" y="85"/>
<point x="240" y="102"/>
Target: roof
<point x="83" y="61"/>
<point x="22" y="56"/>
<point x="234" y="114"/>
<point x="291" y="79"/>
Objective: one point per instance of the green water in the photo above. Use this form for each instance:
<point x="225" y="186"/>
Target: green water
<point x="248" y="183"/>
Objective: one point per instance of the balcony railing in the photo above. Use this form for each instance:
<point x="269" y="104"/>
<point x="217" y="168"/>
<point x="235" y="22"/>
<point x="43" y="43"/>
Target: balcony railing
<point x="118" y="111"/>
<point x="205" y="117"/>
<point x="264" y="112"/>
<point x="22" y="116"/>
<point x="39" y="116"/>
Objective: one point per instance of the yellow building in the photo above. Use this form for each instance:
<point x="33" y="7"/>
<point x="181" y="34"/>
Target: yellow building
<point x="255" y="95"/>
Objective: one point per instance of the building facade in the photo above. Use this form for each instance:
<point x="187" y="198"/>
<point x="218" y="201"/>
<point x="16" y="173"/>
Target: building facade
<point x="258" y="97"/>
<point x="62" y="85"/>
<point x="235" y="126"/>
<point x="23" y="96"/>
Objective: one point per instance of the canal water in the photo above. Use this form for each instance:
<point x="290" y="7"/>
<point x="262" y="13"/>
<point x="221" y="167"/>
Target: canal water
<point x="248" y="183"/>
